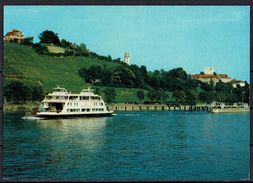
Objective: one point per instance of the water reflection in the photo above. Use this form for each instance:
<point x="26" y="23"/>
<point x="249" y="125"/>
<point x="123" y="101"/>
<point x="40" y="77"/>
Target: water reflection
<point x="81" y="133"/>
<point x="87" y="124"/>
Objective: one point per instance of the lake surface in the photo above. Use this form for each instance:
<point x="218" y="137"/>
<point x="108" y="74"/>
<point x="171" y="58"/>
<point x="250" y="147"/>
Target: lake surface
<point x="166" y="145"/>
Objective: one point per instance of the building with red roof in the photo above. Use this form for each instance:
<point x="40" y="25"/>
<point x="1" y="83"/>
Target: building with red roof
<point x="15" y="35"/>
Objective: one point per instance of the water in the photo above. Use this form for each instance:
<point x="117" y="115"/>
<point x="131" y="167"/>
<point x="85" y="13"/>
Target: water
<point x="166" y="145"/>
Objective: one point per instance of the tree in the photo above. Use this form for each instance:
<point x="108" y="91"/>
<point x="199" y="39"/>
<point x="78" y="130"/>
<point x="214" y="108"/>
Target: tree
<point x="49" y="37"/>
<point x="37" y="93"/>
<point x="109" y="58"/>
<point x="65" y="43"/>
<point x="139" y="76"/>
<point x="92" y="74"/>
<point x="110" y="94"/>
<point x="97" y="91"/>
<point x="27" y="41"/>
<point x="231" y="97"/>
<point x="223" y="87"/>
<point x="17" y="92"/>
<point x="153" y="95"/>
<point x="191" y="97"/>
<point x="123" y="76"/>
<point x="180" y="96"/>
<point x="106" y="76"/>
<point x="178" y="73"/>
<point x="154" y="82"/>
<point x="116" y="60"/>
<point x="68" y="53"/>
<point x="40" y="49"/>
<point x="140" y="94"/>
<point x="84" y="49"/>
<point x="206" y="96"/>
<point x="220" y="96"/>
<point x="206" y="86"/>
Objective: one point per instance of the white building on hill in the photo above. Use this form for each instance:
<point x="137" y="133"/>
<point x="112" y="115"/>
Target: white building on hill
<point x="209" y="76"/>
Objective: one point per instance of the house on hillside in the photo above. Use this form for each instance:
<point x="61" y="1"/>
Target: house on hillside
<point x="15" y="35"/>
<point x="209" y="76"/>
<point x="236" y="83"/>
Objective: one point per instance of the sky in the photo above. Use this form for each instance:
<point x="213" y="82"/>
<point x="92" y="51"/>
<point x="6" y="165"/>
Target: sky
<point x="159" y="37"/>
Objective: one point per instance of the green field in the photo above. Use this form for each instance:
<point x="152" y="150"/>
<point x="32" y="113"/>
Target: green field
<point x="23" y="63"/>
<point x="55" y="49"/>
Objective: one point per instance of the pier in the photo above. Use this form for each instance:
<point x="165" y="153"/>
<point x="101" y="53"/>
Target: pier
<point x="157" y="107"/>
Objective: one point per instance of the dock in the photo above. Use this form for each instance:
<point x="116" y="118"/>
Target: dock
<point x="158" y="107"/>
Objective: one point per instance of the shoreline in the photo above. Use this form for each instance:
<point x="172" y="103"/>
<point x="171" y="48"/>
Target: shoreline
<point x="30" y="106"/>
<point x="25" y="107"/>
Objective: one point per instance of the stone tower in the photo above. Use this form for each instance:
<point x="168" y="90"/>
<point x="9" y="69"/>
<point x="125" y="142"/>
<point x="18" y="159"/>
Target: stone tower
<point x="209" y="70"/>
<point x="126" y="57"/>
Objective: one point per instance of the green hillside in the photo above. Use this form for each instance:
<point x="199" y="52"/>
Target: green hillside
<point x="22" y="62"/>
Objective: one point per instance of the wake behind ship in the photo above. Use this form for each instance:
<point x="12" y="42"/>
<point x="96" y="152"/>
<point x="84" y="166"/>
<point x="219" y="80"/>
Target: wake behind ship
<point x="61" y="103"/>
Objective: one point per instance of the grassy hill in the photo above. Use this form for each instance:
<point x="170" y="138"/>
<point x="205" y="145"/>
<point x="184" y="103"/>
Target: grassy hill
<point x="23" y="63"/>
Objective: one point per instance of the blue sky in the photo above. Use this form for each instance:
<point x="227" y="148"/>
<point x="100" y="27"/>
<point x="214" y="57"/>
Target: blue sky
<point x="159" y="37"/>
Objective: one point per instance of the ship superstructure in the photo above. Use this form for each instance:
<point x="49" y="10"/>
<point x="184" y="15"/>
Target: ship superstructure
<point x="62" y="103"/>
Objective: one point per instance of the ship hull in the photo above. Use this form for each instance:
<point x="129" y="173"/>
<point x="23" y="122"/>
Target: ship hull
<point x="230" y="110"/>
<point x="59" y="115"/>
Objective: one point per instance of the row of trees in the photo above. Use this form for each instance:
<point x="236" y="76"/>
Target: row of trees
<point x="19" y="92"/>
<point x="71" y="49"/>
<point x="225" y="92"/>
<point x="50" y="37"/>
<point x="185" y="90"/>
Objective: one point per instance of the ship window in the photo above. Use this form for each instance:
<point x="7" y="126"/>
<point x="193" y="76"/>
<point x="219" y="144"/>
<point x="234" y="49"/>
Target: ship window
<point x="84" y="98"/>
<point x="83" y="110"/>
<point x="88" y="110"/>
<point x="73" y="97"/>
<point x="48" y="97"/>
<point x="74" y="110"/>
<point x="102" y="104"/>
<point x="95" y="98"/>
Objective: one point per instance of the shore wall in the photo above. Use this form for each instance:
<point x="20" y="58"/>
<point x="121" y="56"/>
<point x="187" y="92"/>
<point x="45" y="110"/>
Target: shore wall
<point x="156" y="107"/>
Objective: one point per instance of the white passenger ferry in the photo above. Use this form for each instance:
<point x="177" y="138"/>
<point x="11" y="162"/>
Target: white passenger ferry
<point x="61" y="103"/>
